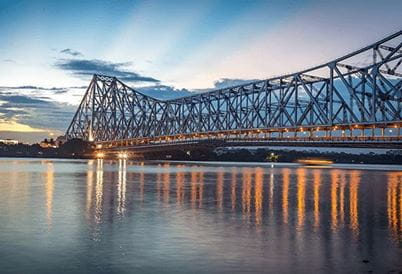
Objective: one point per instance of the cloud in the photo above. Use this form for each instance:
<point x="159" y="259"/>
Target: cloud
<point x="8" y="61"/>
<point x="22" y="100"/>
<point x="36" y="112"/>
<point x="17" y="127"/>
<point x="36" y="88"/>
<point x="84" y="68"/>
<point x="226" y="82"/>
<point x="71" y="52"/>
<point x="164" y="92"/>
<point x="22" y="136"/>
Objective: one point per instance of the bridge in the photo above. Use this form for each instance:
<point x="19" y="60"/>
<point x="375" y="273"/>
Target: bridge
<point x="352" y="101"/>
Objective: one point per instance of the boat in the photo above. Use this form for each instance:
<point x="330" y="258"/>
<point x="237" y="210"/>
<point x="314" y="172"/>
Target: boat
<point x="315" y="162"/>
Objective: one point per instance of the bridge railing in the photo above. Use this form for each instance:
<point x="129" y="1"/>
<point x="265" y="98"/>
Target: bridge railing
<point x="368" y="134"/>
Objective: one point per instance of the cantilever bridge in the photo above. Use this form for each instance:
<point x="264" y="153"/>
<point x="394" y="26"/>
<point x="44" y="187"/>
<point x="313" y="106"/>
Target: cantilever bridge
<point x="354" y="100"/>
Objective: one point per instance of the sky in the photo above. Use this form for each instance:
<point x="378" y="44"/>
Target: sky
<point x="50" y="49"/>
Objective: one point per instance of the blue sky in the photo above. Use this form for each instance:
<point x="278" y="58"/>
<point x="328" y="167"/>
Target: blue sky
<point x="49" y="49"/>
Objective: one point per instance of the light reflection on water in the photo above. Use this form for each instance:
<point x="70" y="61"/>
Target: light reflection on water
<point x="106" y="216"/>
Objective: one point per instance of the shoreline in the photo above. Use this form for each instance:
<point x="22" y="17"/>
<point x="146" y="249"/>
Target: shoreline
<point x="367" y="166"/>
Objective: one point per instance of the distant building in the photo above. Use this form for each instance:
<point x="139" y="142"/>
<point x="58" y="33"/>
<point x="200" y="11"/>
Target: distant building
<point x="9" y="142"/>
<point x="51" y="143"/>
<point x="48" y="143"/>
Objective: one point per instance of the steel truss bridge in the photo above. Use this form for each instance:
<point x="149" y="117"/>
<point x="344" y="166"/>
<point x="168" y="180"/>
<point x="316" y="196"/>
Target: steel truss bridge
<point x="354" y="100"/>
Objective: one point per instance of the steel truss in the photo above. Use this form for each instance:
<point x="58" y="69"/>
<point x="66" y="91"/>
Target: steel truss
<point x="339" y="93"/>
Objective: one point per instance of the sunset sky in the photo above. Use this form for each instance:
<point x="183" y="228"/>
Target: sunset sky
<point x="50" y="49"/>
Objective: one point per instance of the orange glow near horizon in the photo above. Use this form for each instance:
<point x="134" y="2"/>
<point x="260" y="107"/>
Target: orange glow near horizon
<point x="14" y="126"/>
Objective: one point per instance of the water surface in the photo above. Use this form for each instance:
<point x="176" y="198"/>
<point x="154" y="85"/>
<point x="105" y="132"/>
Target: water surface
<point x="63" y="216"/>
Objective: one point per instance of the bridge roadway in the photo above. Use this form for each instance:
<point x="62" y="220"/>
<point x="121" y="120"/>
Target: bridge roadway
<point x="143" y="147"/>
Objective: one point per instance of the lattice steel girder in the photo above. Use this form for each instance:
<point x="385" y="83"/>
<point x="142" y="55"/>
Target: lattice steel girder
<point x="336" y="93"/>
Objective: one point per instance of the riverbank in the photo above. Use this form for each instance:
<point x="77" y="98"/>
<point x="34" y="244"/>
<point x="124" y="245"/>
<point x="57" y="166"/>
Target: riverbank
<point x="261" y="155"/>
<point x="74" y="149"/>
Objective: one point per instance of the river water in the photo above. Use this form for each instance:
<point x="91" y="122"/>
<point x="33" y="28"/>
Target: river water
<point x="63" y="216"/>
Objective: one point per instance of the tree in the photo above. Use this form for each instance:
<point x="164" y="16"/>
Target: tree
<point x="272" y="157"/>
<point x="76" y="147"/>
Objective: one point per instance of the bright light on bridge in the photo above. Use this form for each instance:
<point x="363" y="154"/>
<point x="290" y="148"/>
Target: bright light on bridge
<point x="123" y="155"/>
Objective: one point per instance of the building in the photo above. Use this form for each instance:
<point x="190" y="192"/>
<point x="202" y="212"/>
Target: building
<point x="48" y="143"/>
<point x="9" y="141"/>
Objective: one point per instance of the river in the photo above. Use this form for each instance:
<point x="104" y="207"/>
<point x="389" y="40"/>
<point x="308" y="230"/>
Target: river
<point x="101" y="216"/>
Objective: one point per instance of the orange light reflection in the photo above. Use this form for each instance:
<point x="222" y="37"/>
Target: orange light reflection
<point x="49" y="192"/>
<point x="219" y="189"/>
<point x="301" y="191"/>
<point x="233" y="188"/>
<point x="285" y="194"/>
<point x="334" y="198"/>
<point x="354" y="200"/>
<point x="258" y="193"/>
<point x="316" y="191"/>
